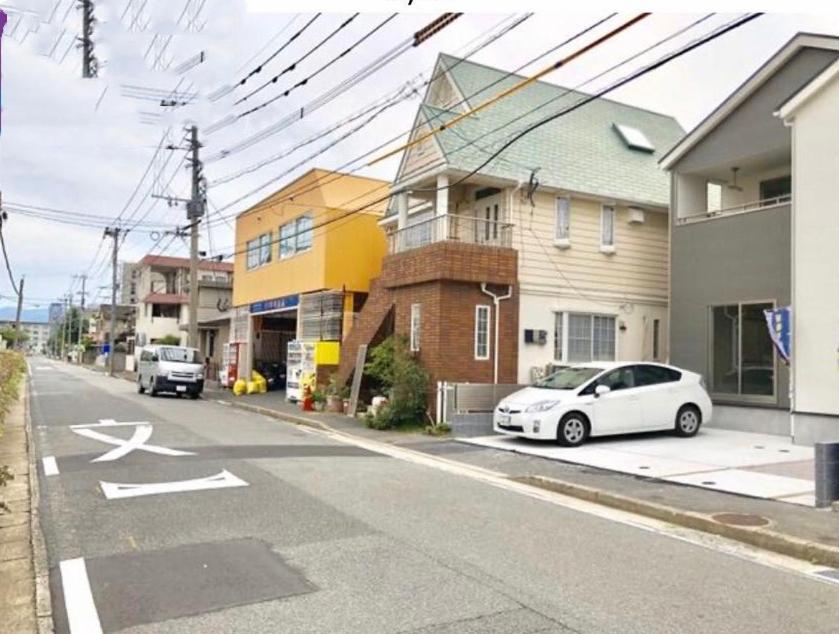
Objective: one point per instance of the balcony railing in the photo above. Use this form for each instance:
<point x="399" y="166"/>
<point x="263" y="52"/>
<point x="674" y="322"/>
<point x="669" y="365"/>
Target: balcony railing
<point x="756" y="205"/>
<point x="463" y="229"/>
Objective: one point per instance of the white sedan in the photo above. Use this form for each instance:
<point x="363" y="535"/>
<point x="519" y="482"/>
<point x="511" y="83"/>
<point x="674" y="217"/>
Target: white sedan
<point x="601" y="399"/>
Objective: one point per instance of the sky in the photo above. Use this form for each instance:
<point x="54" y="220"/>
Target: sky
<point x="83" y="145"/>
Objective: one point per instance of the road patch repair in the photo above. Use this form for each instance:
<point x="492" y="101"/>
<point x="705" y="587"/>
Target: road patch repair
<point x="757" y="465"/>
<point x="119" y="591"/>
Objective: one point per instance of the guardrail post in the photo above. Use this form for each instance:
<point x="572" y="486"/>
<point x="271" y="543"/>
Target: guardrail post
<point x="827" y="473"/>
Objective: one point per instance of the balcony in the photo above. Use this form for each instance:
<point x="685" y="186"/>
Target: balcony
<point x="757" y="205"/>
<point x="451" y="228"/>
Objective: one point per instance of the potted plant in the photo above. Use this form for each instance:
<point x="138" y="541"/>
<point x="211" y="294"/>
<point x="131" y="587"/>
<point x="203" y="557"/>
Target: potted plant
<point x="319" y="399"/>
<point x="334" y="400"/>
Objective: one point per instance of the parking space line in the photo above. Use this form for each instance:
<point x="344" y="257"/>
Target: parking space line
<point x="82" y="616"/>
<point x="50" y="466"/>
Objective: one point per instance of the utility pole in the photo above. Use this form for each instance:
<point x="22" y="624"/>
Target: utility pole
<point x="17" y="316"/>
<point x="83" y="278"/>
<point x="68" y="321"/>
<point x="113" y="233"/>
<point x="194" y="212"/>
<point x="90" y="65"/>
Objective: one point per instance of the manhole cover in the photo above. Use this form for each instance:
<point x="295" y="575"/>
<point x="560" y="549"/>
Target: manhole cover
<point x="740" y="519"/>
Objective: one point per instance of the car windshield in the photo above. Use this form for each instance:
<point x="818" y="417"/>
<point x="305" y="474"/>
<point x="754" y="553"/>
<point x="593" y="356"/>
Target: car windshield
<point x="568" y="378"/>
<point x="179" y="355"/>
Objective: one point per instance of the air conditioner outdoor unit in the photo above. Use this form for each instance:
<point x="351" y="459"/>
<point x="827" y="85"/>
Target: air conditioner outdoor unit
<point x="636" y="215"/>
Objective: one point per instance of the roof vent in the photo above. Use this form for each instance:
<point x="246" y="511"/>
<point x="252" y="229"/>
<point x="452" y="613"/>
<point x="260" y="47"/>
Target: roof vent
<point x="633" y="138"/>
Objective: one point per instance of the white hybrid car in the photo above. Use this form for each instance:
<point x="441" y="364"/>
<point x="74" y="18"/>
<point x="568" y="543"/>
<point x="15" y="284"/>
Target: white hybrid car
<point x="601" y="399"/>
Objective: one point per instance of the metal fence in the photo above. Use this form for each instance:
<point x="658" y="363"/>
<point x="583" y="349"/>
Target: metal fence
<point x="470" y="398"/>
<point x="465" y="229"/>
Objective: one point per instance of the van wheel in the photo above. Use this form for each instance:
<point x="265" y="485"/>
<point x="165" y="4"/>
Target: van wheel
<point x="194" y="396"/>
<point x="152" y="388"/>
<point x="572" y="430"/>
<point x="141" y="389"/>
<point x="688" y="421"/>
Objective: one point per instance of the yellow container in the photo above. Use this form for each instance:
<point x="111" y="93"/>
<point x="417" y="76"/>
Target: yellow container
<point x="327" y="352"/>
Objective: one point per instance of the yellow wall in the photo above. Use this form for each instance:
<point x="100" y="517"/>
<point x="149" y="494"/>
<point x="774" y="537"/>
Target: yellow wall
<point x="345" y="253"/>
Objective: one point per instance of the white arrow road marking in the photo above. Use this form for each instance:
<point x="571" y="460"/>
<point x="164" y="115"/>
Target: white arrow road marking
<point x="50" y="466"/>
<point x="222" y="480"/>
<point x="78" y="599"/>
<point x="137" y="442"/>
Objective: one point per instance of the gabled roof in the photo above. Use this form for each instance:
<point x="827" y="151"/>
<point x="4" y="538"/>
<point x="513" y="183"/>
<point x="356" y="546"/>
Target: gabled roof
<point x="808" y="91"/>
<point x="580" y="151"/>
<point x="786" y="52"/>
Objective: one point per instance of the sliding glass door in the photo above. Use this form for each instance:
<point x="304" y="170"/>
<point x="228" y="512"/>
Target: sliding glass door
<point x="742" y="354"/>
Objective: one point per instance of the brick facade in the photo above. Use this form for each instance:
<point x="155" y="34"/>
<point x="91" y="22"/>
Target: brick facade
<point x="445" y="279"/>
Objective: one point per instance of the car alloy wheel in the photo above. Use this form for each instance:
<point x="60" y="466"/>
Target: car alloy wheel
<point x="573" y="430"/>
<point x="687" y="421"/>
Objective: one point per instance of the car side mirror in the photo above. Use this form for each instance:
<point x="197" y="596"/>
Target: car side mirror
<point x="600" y="390"/>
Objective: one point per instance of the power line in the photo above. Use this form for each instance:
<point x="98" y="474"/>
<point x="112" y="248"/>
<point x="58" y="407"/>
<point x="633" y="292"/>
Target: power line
<point x="317" y="72"/>
<point x="734" y="24"/>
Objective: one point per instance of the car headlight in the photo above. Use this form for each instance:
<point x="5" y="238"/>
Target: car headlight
<point x="542" y="406"/>
<point x="199" y="375"/>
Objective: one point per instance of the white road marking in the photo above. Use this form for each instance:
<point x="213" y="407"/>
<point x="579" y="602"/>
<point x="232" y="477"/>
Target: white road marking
<point x="673" y="531"/>
<point x="50" y="466"/>
<point x="142" y="433"/>
<point x="109" y="422"/>
<point x="78" y="599"/>
<point x="222" y="480"/>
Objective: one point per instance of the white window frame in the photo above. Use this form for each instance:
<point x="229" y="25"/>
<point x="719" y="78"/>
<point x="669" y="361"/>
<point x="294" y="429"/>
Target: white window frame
<point x="564" y="318"/>
<point x="294" y="239"/>
<point x="416" y="326"/>
<point x="656" y="340"/>
<point x="485" y="309"/>
<point x="560" y="328"/>
<point x="607" y="211"/>
<point x="562" y="222"/>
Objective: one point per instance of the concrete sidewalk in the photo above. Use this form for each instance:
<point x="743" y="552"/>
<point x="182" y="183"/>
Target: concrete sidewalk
<point x="24" y="598"/>
<point x="793" y="530"/>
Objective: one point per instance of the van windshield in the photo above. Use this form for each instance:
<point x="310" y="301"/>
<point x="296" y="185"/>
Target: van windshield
<point x="568" y="378"/>
<point x="180" y="355"/>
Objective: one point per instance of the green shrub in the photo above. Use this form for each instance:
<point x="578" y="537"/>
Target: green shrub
<point x="12" y="367"/>
<point x="404" y="381"/>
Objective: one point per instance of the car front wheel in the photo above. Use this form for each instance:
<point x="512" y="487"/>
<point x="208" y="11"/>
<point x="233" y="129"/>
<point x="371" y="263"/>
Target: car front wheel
<point x="688" y="421"/>
<point x="572" y="430"/>
<point x="152" y="388"/>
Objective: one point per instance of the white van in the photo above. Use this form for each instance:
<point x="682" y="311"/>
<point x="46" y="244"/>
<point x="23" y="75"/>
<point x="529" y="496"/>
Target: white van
<point x="170" y="369"/>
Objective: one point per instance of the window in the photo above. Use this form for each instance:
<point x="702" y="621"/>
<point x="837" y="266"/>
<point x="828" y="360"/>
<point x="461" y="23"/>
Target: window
<point x="259" y="251"/>
<point x="296" y="236"/>
<point x="655" y="374"/>
<point x="742" y="355"/>
<point x="607" y="227"/>
<point x="656" y="335"/>
<point x="558" y="328"/>
<point x="713" y="197"/>
<point x="587" y="337"/>
<point x="773" y="188"/>
<point x="170" y="311"/>
<point x="619" y="379"/>
<point x="415" y="327"/>
<point x="482" y="332"/>
<point x="563" y="220"/>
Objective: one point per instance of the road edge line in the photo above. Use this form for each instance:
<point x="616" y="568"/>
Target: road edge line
<point x="769" y="540"/>
<point x="43" y="600"/>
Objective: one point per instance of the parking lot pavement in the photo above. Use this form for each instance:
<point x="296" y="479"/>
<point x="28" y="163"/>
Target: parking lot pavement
<point x="757" y="465"/>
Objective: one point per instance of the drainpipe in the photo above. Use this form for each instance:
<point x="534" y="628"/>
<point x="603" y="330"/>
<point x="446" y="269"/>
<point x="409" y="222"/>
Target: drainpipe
<point x="496" y="300"/>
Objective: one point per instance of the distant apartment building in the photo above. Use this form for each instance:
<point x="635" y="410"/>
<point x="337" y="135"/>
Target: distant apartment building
<point x="37" y="334"/>
<point x="162" y="307"/>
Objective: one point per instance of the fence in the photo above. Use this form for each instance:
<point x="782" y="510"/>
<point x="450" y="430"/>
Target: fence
<point x="465" y="229"/>
<point x="470" y="398"/>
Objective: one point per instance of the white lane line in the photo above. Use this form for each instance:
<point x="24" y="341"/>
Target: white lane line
<point x="78" y="599"/>
<point x="500" y="480"/>
<point x="222" y="480"/>
<point x="50" y="466"/>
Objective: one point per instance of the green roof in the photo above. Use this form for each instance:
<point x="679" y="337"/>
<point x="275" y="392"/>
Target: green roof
<point x="581" y="151"/>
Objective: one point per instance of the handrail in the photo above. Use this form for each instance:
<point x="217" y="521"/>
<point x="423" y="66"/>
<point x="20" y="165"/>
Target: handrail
<point x="451" y="227"/>
<point x="755" y="205"/>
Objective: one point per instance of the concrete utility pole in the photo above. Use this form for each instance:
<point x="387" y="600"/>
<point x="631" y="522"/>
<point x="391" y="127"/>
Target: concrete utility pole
<point x="90" y="65"/>
<point x="194" y="212"/>
<point x="83" y="278"/>
<point x="17" y="316"/>
<point x="113" y="233"/>
<point x="68" y="321"/>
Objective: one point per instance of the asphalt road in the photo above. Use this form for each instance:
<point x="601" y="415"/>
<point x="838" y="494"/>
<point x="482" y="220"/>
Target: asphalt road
<point x="200" y="518"/>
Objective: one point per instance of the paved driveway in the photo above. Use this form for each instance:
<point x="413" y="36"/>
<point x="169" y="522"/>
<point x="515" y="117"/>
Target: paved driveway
<point x="758" y="465"/>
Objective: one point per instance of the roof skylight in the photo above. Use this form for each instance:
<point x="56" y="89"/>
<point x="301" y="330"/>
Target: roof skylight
<point x="633" y="138"/>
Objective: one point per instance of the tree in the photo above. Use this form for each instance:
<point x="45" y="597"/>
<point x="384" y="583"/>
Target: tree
<point x="10" y="335"/>
<point x="403" y="379"/>
<point x="169" y="340"/>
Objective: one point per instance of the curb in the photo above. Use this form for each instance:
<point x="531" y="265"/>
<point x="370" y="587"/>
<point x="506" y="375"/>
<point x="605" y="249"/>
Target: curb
<point x="766" y="539"/>
<point x="763" y="538"/>
<point x="43" y="602"/>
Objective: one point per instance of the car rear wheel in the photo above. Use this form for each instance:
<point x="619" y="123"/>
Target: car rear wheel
<point x="141" y="389"/>
<point x="688" y="421"/>
<point x="572" y="430"/>
<point x="152" y="388"/>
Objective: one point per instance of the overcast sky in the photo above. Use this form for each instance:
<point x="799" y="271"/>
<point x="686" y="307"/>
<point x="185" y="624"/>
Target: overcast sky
<point x="59" y="150"/>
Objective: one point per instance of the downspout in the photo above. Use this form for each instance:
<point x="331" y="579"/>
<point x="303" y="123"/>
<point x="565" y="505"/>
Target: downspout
<point x="496" y="300"/>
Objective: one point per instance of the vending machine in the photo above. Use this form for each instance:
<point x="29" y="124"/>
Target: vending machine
<point x="229" y="370"/>
<point x="302" y="363"/>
